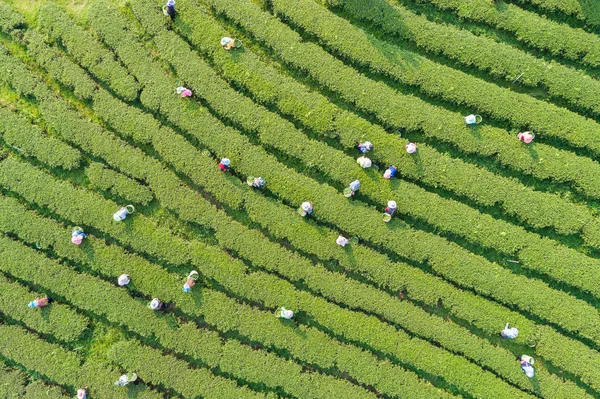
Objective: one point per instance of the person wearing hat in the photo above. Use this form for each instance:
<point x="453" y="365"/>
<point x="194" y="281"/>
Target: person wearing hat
<point x="82" y="393"/>
<point x="391" y="208"/>
<point x="365" y="147"/>
<point x="224" y="164"/>
<point x="342" y="241"/>
<point x="364" y="162"/>
<point x="390" y="172"/>
<point x="155" y="304"/>
<point x="411" y="148"/>
<point x="525" y="137"/>
<point x="527" y="368"/>
<point x="126" y="379"/>
<point x="284" y="313"/>
<point x="389" y="211"/>
<point x="257" y="182"/>
<point x="39" y="302"/>
<point x="354" y="186"/>
<point x="227" y="43"/>
<point x="510" y="333"/>
<point x="123" y="280"/>
<point x="191" y="281"/>
<point x="307" y="207"/>
<point x="77" y="236"/>
<point x="170" y="7"/>
<point x="122" y="213"/>
<point x="184" y="92"/>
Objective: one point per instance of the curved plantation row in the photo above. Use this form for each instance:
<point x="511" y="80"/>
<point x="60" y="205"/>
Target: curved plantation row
<point x="375" y="235"/>
<point x="529" y="28"/>
<point x="352" y="336"/>
<point x="395" y="23"/>
<point x="445" y="215"/>
<point x="407" y="112"/>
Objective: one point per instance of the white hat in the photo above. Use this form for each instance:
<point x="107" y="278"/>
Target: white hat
<point x="387" y="174"/>
<point x="391" y="204"/>
<point x="123" y="279"/>
<point x="364" y="162"/>
<point x="286" y="313"/>
<point x="306" y="206"/>
<point x="341" y="240"/>
<point x="225" y="40"/>
<point x="155" y="304"/>
<point x="225" y="161"/>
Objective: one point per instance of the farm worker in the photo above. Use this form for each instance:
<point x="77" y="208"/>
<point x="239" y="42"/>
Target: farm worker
<point x="227" y="43"/>
<point x="169" y="9"/>
<point x="126" y="379"/>
<point x="155" y="304"/>
<point x="224" y="164"/>
<point x="365" y="147"/>
<point x="525" y="137"/>
<point x="184" y="92"/>
<point x="391" y="208"/>
<point x="123" y="280"/>
<point x="307" y="207"/>
<point x="81" y="393"/>
<point x="341" y="240"/>
<point x="77" y="235"/>
<point x="191" y="281"/>
<point x="390" y="172"/>
<point x="411" y="148"/>
<point x="527" y="365"/>
<point x="364" y="162"/>
<point x="510" y="333"/>
<point x="39" y="302"/>
<point x="122" y="213"/>
<point x="257" y="182"/>
<point x="284" y="313"/>
<point x="354" y="186"/>
<point x="473" y="119"/>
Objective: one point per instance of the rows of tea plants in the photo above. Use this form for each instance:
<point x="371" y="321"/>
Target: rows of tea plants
<point x="488" y="230"/>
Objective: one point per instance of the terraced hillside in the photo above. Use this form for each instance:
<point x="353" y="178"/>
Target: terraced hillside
<point x="488" y="230"/>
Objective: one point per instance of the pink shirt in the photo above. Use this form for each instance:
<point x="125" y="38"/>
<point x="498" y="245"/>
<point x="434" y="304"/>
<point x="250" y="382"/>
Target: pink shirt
<point x="525" y="137"/>
<point x="411" y="148"/>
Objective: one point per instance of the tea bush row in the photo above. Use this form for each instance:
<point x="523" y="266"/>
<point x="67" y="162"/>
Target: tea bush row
<point x="528" y="27"/>
<point x="494" y="58"/>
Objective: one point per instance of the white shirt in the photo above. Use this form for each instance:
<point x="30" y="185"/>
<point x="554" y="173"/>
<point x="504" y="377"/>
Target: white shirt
<point x="341" y="240"/>
<point x="510" y="332"/>
<point x="529" y="372"/>
<point x="286" y="313"/>
<point x="123" y="280"/>
<point x="364" y="162"/>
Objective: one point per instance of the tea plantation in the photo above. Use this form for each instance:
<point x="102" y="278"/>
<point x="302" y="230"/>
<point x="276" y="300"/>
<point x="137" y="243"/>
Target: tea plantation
<point x="99" y="134"/>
